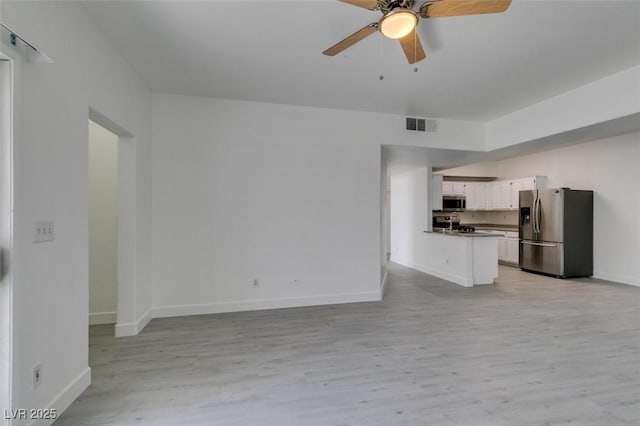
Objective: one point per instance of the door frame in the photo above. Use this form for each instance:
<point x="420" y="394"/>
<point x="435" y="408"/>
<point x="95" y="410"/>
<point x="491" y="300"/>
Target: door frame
<point x="125" y="312"/>
<point x="11" y="62"/>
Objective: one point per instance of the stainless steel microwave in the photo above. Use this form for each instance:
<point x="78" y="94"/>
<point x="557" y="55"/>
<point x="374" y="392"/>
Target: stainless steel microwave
<point x="454" y="203"/>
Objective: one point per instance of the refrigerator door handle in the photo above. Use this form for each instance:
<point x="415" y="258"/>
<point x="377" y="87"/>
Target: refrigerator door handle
<point x="538" y="216"/>
<point x="539" y="244"/>
<point x="535" y="215"/>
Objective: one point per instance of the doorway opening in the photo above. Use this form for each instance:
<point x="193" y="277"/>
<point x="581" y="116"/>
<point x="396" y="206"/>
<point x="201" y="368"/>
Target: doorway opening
<point x="112" y="225"/>
<point x="103" y="225"/>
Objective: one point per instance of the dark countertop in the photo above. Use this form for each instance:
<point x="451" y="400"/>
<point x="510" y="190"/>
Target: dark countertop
<point x="493" y="226"/>
<point x="460" y="234"/>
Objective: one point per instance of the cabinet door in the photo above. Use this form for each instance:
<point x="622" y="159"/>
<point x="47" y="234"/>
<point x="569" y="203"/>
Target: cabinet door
<point x="528" y="183"/>
<point x="502" y="248"/>
<point x="505" y="194"/>
<point x="496" y="195"/>
<point x="469" y="193"/>
<point x="458" y="188"/>
<point x="488" y="196"/>
<point x="516" y="186"/>
<point x="447" y="188"/>
<point x="480" y="195"/>
<point x="513" y="249"/>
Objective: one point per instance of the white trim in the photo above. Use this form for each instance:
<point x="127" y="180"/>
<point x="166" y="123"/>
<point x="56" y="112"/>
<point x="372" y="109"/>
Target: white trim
<point x="102" y="318"/>
<point x="261" y="304"/>
<point x="620" y="279"/>
<point x="9" y="347"/>
<point x="383" y="285"/>
<point x="126" y="329"/>
<point x="456" y="279"/>
<point x="133" y="328"/>
<point x="69" y="394"/>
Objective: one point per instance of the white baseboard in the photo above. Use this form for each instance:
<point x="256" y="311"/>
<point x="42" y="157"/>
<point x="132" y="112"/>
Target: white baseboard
<point x="62" y="401"/>
<point x="144" y="320"/>
<point x="133" y="328"/>
<point x="383" y="284"/>
<point x="621" y="279"/>
<point x="102" y="318"/>
<point x="465" y="282"/>
<point x="255" y="305"/>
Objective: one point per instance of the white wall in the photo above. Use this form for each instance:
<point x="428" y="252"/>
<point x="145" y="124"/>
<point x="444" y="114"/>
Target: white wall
<point x="246" y="191"/>
<point x="103" y="225"/>
<point x="51" y="279"/>
<point x="609" y="98"/>
<point x="609" y="167"/>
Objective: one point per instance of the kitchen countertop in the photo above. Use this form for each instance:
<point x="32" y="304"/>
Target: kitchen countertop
<point x="460" y="234"/>
<point x="493" y="226"/>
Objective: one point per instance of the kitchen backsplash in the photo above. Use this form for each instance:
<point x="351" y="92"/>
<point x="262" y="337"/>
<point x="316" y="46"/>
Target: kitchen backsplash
<point x="499" y="218"/>
<point x="493" y="217"/>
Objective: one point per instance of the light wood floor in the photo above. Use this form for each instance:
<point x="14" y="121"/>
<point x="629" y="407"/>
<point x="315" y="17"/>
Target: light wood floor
<point x="529" y="350"/>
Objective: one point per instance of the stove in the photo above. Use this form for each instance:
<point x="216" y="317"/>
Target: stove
<point x="464" y="228"/>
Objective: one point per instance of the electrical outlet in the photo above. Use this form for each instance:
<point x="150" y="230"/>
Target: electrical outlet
<point x="43" y="231"/>
<point x="37" y="375"/>
<point x="256" y="283"/>
<point x="296" y="283"/>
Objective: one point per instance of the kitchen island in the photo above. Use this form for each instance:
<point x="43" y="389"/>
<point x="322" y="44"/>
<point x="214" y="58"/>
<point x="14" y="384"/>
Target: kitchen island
<point x="465" y="258"/>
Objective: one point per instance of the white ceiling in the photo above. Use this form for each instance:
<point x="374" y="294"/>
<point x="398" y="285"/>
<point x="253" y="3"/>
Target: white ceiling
<point x="477" y="67"/>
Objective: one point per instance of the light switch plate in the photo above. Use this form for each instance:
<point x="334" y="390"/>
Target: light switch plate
<point x="43" y="231"/>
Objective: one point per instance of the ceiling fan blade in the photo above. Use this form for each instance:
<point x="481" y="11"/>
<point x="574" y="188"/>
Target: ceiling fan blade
<point x="412" y="47"/>
<point x="443" y="8"/>
<point x="352" y="39"/>
<point x="367" y="4"/>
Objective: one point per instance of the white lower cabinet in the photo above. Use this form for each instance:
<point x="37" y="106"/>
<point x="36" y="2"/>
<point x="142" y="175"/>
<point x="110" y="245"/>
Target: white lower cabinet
<point x="508" y="246"/>
<point x="502" y="248"/>
<point x="512" y="247"/>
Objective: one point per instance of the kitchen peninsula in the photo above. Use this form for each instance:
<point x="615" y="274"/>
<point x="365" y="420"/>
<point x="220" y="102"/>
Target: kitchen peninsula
<point x="465" y="258"/>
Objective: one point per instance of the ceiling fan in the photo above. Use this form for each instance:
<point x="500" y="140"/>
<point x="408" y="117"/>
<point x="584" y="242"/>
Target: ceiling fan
<point x="400" y="19"/>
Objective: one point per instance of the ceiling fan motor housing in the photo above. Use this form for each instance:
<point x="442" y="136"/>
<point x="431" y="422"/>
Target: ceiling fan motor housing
<point x="387" y="6"/>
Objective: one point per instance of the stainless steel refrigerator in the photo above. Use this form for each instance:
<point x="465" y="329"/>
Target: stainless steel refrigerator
<point x="556" y="232"/>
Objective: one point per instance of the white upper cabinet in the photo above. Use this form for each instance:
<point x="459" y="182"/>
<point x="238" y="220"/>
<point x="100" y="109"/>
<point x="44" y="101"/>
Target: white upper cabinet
<point x="458" y="188"/>
<point x="505" y="194"/>
<point x="447" y="188"/>
<point x="536" y="182"/>
<point x="480" y="191"/>
<point x="496" y="195"/>
<point x="475" y="193"/>
<point x="516" y="187"/>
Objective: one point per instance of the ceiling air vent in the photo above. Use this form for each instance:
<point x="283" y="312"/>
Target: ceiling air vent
<point x="421" y="124"/>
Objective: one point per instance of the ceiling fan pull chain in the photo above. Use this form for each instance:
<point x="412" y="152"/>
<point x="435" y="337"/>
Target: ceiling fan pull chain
<point x="381" y="77"/>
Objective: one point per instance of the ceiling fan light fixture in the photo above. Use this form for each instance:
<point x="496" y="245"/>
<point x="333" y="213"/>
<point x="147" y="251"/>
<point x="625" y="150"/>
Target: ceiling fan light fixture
<point x="398" y="23"/>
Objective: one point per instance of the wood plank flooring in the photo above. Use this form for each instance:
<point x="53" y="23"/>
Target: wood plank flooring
<point x="530" y="350"/>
